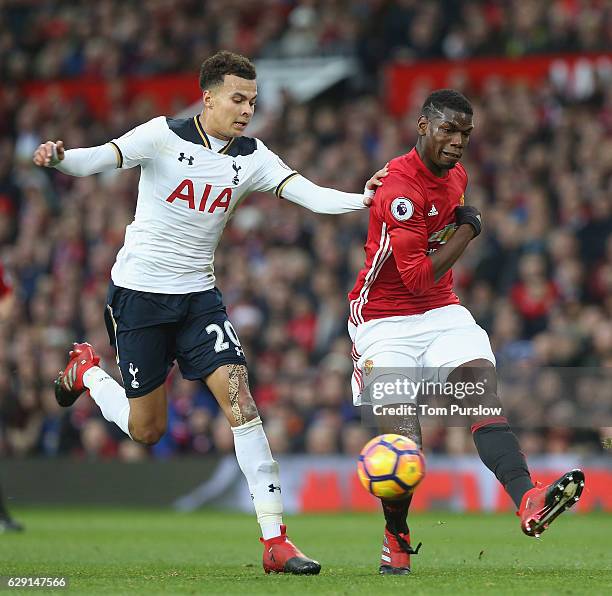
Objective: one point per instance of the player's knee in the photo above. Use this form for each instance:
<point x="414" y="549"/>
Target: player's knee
<point x="147" y="434"/>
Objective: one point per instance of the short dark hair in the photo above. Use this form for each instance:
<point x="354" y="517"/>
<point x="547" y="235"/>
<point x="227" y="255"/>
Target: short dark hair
<point x="446" y="98"/>
<point x="223" y="63"/>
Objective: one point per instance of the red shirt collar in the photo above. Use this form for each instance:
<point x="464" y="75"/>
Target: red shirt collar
<point x="416" y="158"/>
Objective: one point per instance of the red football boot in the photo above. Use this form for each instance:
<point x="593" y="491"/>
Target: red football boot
<point x="69" y="383"/>
<point x="282" y="556"/>
<point x="541" y="505"/>
<point x="396" y="551"/>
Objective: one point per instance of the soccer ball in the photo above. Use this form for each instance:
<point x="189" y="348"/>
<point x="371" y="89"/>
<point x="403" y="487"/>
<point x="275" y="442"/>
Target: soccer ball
<point x="391" y="466"/>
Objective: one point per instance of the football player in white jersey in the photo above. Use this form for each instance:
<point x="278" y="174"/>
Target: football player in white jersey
<point x="162" y="302"/>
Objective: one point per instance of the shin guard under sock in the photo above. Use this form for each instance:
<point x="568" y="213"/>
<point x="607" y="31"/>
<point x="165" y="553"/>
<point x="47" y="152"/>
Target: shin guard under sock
<point x="499" y="450"/>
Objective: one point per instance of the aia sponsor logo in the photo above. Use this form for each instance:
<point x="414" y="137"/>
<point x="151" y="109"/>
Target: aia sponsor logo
<point x="185" y="191"/>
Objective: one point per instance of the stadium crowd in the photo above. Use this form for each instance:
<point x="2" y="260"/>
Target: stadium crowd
<point x="539" y="279"/>
<point x="67" y="38"/>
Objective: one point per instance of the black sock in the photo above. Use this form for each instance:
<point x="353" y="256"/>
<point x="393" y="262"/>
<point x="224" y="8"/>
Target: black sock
<point x="396" y="514"/>
<point x="499" y="450"/>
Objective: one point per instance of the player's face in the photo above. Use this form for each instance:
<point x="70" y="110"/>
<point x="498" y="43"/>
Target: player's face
<point x="230" y="106"/>
<point x="444" y="138"/>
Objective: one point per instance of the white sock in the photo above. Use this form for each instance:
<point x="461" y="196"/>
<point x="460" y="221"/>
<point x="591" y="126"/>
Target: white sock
<point x="110" y="397"/>
<point x="261" y="471"/>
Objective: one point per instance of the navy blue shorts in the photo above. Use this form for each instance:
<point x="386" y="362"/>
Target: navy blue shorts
<point x="150" y="331"/>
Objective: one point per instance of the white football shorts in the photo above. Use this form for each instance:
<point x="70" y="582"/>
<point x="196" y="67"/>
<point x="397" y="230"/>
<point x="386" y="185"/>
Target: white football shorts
<point x="435" y="342"/>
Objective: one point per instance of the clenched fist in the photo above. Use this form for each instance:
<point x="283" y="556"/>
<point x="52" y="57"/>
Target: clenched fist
<point x="49" y="154"/>
<point x="373" y="183"/>
<point x="466" y="214"/>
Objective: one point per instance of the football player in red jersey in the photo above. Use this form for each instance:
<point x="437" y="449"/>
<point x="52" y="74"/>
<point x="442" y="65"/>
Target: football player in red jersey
<point x="405" y="315"/>
<point x="7" y="523"/>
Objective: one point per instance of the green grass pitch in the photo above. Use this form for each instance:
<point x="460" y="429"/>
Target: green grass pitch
<point x="108" y="551"/>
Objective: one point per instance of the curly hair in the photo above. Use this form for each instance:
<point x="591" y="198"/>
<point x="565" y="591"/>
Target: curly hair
<point x="223" y="63"/>
<point x="446" y="98"/>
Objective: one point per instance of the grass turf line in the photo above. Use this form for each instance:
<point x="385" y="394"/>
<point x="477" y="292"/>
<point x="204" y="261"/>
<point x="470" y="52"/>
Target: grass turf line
<point x="110" y="551"/>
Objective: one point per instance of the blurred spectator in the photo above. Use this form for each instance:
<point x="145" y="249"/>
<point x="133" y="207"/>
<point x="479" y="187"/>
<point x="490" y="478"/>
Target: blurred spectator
<point x="61" y="39"/>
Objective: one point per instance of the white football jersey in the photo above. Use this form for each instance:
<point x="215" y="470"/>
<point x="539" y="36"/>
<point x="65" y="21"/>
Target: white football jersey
<point x="186" y="194"/>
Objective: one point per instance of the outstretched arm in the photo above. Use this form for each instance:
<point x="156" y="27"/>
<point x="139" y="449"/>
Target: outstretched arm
<point x="319" y="199"/>
<point x="135" y="148"/>
<point x="78" y="162"/>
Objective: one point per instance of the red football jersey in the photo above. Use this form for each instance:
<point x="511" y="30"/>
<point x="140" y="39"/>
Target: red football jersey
<point x="413" y="214"/>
